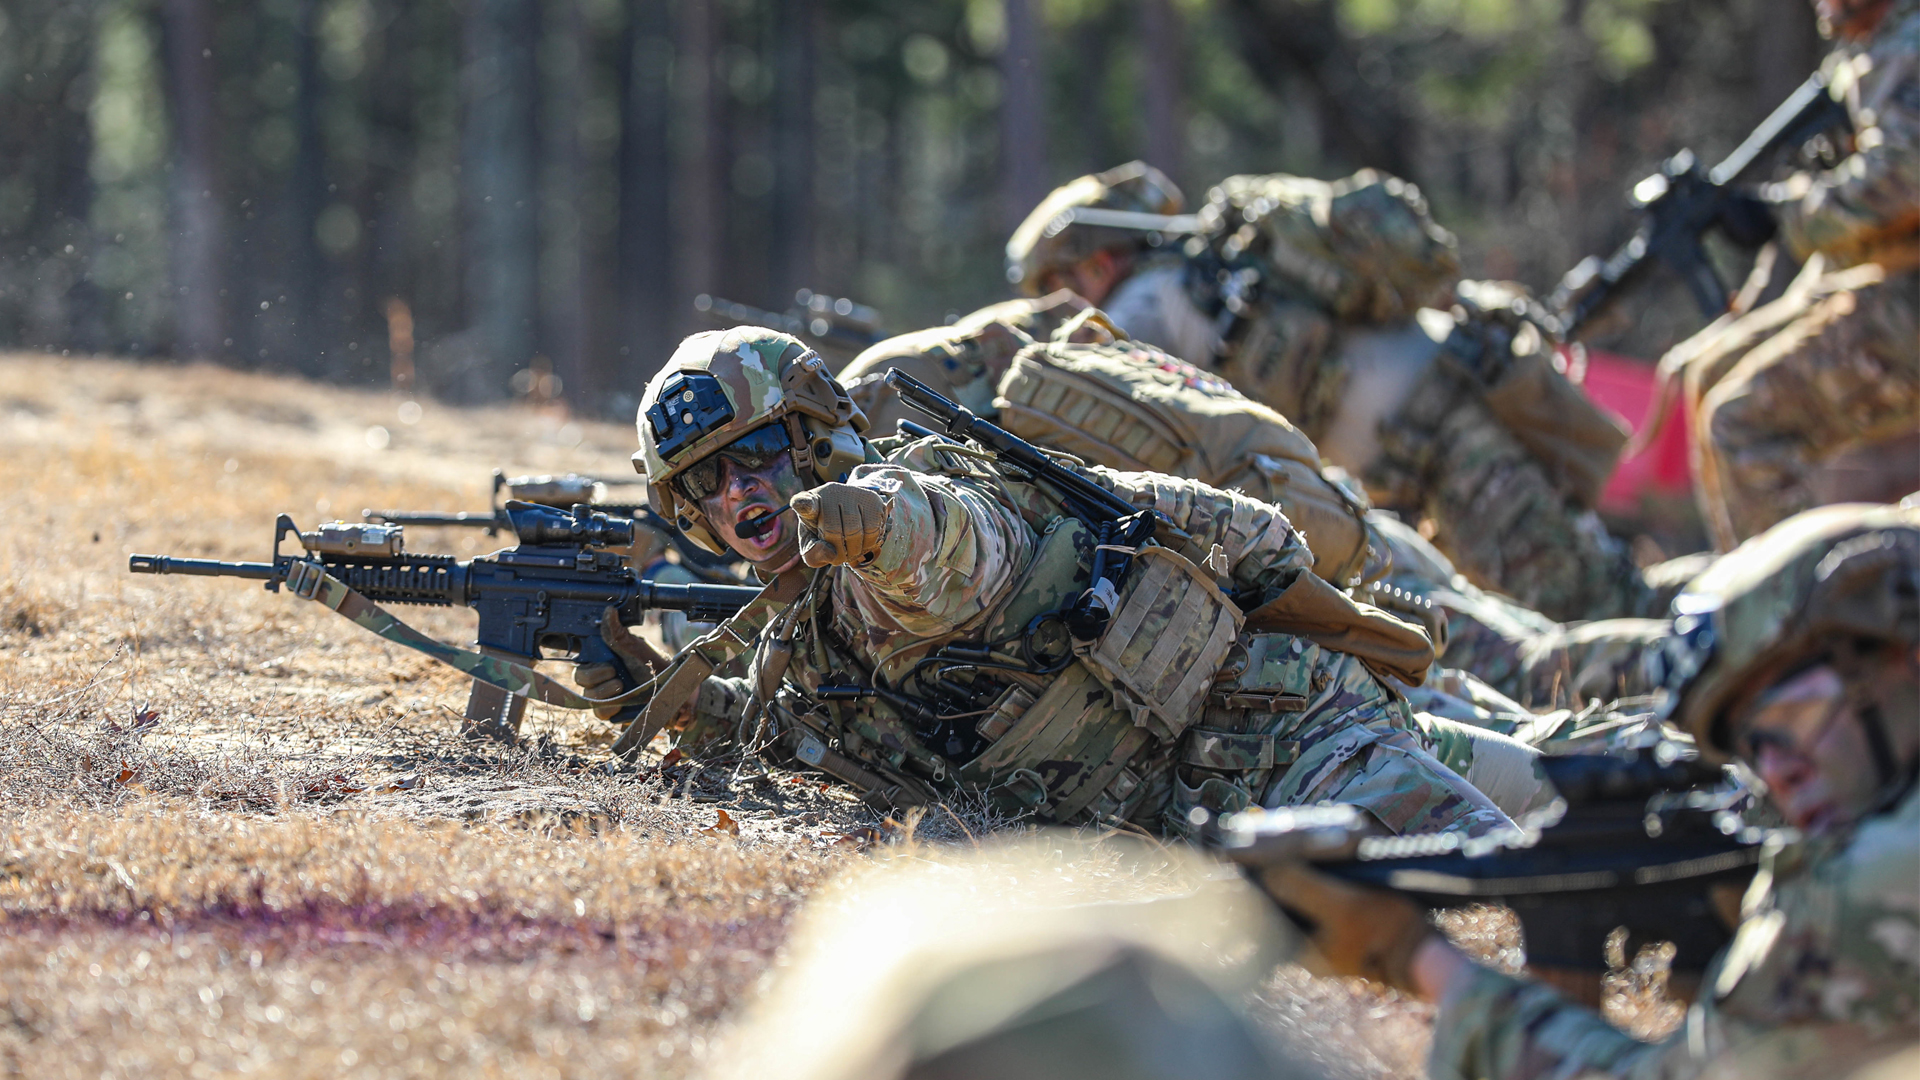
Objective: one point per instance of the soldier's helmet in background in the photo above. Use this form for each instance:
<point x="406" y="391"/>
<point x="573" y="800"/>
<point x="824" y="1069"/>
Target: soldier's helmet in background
<point x="1837" y="582"/>
<point x="1049" y="240"/>
<point x="723" y="384"/>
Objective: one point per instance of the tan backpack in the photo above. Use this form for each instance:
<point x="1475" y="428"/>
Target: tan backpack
<point x="1132" y="407"/>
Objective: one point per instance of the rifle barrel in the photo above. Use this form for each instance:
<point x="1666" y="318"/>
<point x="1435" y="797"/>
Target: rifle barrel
<point x="1780" y="125"/>
<point x="701" y="602"/>
<point x="168" y="564"/>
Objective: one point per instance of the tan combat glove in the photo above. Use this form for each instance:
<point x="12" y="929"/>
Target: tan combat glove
<point x="841" y="523"/>
<point x="1357" y="930"/>
<point x="606" y="680"/>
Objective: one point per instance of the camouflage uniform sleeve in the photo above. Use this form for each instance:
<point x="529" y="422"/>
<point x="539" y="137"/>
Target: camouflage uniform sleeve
<point x="1262" y="546"/>
<point x="1870" y="198"/>
<point x="1498" y="1027"/>
<point x="950" y="554"/>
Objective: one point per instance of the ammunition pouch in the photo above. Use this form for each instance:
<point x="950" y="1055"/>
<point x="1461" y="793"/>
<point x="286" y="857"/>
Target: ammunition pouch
<point x="1170" y="635"/>
<point x="1576" y="440"/>
<point x="1065" y="748"/>
<point x="1508" y="361"/>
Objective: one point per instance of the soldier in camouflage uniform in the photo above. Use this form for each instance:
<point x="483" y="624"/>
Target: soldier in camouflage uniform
<point x="1799" y="653"/>
<point x="1816" y="397"/>
<point x="1314" y="298"/>
<point x="919" y="636"/>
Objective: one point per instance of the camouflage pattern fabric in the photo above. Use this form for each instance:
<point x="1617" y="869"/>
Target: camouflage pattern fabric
<point x="1498" y="515"/>
<point x="1868" y="208"/>
<point x="1040" y="243"/>
<point x="1515" y="651"/>
<point x="1482" y="632"/>
<point x="966" y="547"/>
<point x="1773" y="436"/>
<point x="964" y="362"/>
<point x="1844" y="374"/>
<point x="1052" y="372"/>
<point x="1444" y="453"/>
<point x="1822" y="977"/>
<point x="1364" y="249"/>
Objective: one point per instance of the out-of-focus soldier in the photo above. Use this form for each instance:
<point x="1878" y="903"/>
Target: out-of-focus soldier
<point x="915" y="636"/>
<point x="1799" y="654"/>
<point x="1815" y="397"/>
<point x="1338" y="305"/>
<point x="1051" y="959"/>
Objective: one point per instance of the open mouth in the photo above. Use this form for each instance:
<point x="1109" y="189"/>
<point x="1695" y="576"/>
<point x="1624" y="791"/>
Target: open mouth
<point x="758" y="525"/>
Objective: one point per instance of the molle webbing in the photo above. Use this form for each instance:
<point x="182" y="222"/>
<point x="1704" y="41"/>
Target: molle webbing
<point x="1119" y="408"/>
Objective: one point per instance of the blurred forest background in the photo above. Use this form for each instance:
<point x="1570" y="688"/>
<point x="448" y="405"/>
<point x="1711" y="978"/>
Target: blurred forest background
<point x="482" y="198"/>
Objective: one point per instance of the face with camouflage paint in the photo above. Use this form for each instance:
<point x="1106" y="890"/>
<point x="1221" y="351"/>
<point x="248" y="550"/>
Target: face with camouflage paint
<point x="744" y="494"/>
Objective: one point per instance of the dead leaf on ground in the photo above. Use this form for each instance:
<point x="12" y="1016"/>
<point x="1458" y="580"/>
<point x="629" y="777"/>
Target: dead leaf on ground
<point x="724" y="826"/>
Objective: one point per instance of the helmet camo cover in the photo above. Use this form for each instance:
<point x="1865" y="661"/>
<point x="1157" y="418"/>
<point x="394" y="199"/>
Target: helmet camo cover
<point x="1837" y="572"/>
<point x="722" y="384"/>
<point x="1037" y="248"/>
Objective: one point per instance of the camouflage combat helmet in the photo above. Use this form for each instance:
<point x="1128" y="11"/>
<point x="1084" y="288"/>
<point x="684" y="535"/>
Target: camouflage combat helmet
<point x="1836" y="577"/>
<point x="1044" y="242"/>
<point x="722" y="384"/>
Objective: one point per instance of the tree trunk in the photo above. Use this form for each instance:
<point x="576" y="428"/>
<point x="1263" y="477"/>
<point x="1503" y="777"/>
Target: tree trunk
<point x="380" y="264"/>
<point x="700" y="171"/>
<point x="563" y="299"/>
<point x="645" y="255"/>
<point x="199" y="225"/>
<point x="310" y="339"/>
<point x="1361" y="124"/>
<point x="1162" y="45"/>
<point x="795" y="32"/>
<point x="497" y="175"/>
<point x="1023" y="132"/>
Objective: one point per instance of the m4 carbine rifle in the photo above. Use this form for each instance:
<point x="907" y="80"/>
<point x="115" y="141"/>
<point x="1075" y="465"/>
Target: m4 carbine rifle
<point x="1643" y="843"/>
<point x="543" y="599"/>
<point x="1683" y="202"/>
<point x="563" y="491"/>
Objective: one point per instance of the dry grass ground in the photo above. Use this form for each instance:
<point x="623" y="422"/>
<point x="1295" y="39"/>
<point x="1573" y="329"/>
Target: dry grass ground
<point x="241" y="837"/>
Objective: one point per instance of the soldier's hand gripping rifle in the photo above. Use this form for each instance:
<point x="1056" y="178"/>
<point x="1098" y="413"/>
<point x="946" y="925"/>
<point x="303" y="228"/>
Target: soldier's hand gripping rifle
<point x="562" y="492"/>
<point x="1643" y="843"/>
<point x="544" y="599"/>
<point x="1682" y="202"/>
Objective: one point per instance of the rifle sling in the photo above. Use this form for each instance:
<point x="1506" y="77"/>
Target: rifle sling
<point x="315" y="584"/>
<point x="681" y="678"/>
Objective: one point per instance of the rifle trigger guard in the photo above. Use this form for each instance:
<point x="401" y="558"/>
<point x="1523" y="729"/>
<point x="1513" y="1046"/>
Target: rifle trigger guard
<point x="303" y="578"/>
